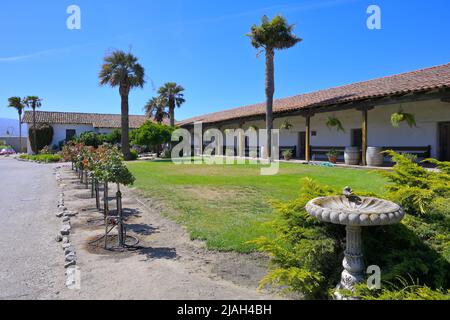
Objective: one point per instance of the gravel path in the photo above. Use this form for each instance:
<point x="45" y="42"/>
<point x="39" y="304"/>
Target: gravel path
<point x="31" y="266"/>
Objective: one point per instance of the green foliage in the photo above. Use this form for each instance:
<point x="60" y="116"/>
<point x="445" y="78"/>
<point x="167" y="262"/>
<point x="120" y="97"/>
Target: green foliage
<point x="418" y="190"/>
<point x="152" y="135"/>
<point x="109" y="166"/>
<point x="332" y="153"/>
<point x="113" y="138"/>
<point x="286" y="125"/>
<point x="90" y="139"/>
<point x="333" y="122"/>
<point x="403" y="290"/>
<point x="273" y="34"/>
<point x="287" y="154"/>
<point x="307" y="254"/>
<point x="401" y="116"/>
<point x="134" y="155"/>
<point x="44" y="136"/>
<point x="45" y="158"/>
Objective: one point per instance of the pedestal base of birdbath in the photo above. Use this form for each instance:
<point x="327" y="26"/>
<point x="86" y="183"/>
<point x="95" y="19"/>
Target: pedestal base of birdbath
<point x="353" y="262"/>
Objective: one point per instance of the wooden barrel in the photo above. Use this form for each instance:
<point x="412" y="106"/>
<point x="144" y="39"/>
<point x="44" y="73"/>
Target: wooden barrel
<point x="374" y="156"/>
<point x="352" y="155"/>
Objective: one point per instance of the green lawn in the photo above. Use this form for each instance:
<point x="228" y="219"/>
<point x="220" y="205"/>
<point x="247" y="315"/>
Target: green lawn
<point x="227" y="205"/>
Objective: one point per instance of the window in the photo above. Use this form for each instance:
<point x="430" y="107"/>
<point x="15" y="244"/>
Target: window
<point x="70" y="133"/>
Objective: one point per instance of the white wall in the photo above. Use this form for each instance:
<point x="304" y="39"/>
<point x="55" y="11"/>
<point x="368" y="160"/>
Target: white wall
<point x="59" y="132"/>
<point x="380" y="131"/>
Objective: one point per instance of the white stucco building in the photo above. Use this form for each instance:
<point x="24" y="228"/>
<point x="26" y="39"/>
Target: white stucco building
<point x="67" y="124"/>
<point x="365" y="111"/>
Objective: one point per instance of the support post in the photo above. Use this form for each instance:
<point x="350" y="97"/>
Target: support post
<point x="307" y="138"/>
<point x="364" y="137"/>
<point x="97" y="195"/>
<point x="119" y="217"/>
<point x="105" y="200"/>
<point x="241" y="138"/>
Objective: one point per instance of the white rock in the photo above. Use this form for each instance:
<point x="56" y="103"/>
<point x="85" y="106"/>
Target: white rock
<point x="65" y="230"/>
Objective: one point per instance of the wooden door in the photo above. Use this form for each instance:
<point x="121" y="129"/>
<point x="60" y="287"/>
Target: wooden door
<point x="301" y="145"/>
<point x="444" y="141"/>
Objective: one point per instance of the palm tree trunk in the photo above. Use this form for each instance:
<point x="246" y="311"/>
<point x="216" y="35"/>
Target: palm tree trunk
<point x="20" y="132"/>
<point x="125" y="123"/>
<point x="270" y="90"/>
<point x="172" y="112"/>
<point x="34" y="131"/>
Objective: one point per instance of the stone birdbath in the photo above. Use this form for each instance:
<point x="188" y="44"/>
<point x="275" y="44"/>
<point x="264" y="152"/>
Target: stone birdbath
<point x="354" y="212"/>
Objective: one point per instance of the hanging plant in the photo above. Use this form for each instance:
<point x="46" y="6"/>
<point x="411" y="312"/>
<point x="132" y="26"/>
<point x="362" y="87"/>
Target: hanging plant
<point x="401" y="116"/>
<point x="334" y="122"/>
<point x="253" y="127"/>
<point x="286" y="125"/>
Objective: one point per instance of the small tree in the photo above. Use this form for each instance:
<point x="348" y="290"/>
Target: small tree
<point x="33" y="102"/>
<point x="152" y="135"/>
<point x="40" y="137"/>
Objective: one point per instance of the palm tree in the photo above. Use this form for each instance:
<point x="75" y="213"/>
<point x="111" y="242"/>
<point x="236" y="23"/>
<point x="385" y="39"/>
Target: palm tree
<point x="16" y="102"/>
<point x="121" y="69"/>
<point x="33" y="102"/>
<point x="270" y="36"/>
<point x="156" y="109"/>
<point x="173" y="95"/>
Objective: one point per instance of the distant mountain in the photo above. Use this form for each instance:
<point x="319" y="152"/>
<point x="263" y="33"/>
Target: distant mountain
<point x="10" y="127"/>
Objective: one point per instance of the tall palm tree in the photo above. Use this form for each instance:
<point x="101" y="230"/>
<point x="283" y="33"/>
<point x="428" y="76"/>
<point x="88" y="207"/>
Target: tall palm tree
<point x="271" y="35"/>
<point x="16" y="102"/>
<point x="33" y="102"/>
<point x="156" y="109"/>
<point x="173" y="95"/>
<point x="121" y="69"/>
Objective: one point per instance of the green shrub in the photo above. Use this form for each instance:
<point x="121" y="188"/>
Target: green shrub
<point x="44" y="136"/>
<point x="134" y="155"/>
<point x="90" y="139"/>
<point x="307" y="254"/>
<point x="45" y="158"/>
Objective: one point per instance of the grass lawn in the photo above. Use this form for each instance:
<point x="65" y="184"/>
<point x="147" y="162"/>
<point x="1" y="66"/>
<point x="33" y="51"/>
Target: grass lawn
<point x="227" y="205"/>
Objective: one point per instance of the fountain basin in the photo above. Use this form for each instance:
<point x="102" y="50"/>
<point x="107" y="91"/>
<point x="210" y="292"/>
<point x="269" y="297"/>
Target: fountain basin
<point x="362" y="211"/>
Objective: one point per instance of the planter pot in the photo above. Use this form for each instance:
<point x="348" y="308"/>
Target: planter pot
<point x="352" y="155"/>
<point x="332" y="159"/>
<point x="374" y="156"/>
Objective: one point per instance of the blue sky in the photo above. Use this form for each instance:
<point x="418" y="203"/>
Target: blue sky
<point x="201" y="44"/>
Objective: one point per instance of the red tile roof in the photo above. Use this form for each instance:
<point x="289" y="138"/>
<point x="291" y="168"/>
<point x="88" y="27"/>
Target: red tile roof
<point x="437" y="77"/>
<point x="95" y="119"/>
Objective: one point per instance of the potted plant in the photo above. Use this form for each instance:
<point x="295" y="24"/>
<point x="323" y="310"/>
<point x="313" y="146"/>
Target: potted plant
<point x="332" y="155"/>
<point x="333" y="122"/>
<point x="287" y="155"/>
<point x="402" y="116"/>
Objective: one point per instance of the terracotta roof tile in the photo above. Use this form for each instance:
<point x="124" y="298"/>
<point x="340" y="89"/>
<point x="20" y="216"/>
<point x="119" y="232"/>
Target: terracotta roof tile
<point x="95" y="119"/>
<point x="416" y="81"/>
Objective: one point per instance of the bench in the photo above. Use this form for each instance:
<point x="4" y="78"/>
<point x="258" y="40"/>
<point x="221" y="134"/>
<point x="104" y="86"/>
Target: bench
<point x="420" y="151"/>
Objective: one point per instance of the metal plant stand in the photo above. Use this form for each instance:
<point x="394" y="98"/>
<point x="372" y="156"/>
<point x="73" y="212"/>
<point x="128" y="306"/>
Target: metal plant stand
<point x="354" y="212"/>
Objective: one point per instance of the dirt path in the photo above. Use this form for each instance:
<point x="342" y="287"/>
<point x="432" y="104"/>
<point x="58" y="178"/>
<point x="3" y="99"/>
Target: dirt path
<point x="167" y="266"/>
